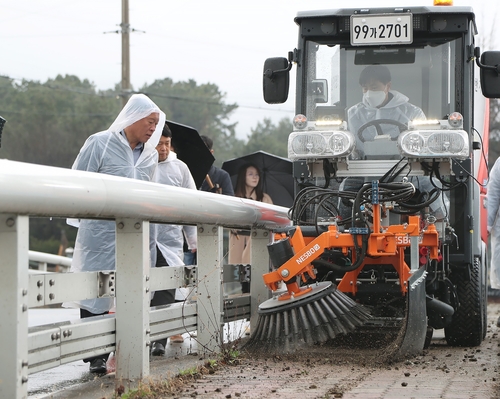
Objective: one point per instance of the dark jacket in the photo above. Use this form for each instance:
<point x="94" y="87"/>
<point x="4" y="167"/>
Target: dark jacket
<point x="220" y="178"/>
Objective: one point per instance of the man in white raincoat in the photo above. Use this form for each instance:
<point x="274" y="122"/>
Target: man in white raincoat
<point x="170" y="238"/>
<point x="126" y="149"/>
<point x="492" y="206"/>
<point x="379" y="102"/>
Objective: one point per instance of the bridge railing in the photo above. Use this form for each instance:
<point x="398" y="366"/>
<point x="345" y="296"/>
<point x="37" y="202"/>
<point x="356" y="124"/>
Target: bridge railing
<point x="35" y="190"/>
<point x="42" y="259"/>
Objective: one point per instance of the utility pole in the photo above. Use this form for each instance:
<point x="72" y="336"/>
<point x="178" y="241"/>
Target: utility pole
<point x="125" y="31"/>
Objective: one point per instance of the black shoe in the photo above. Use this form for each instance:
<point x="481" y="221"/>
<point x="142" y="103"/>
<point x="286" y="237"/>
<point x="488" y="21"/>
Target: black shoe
<point x="98" y="366"/>
<point x="157" y="349"/>
<point x="498" y="322"/>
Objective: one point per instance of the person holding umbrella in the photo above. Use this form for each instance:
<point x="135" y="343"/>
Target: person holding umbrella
<point x="217" y="180"/>
<point x="170" y="238"/>
<point x="275" y="173"/>
<point x="248" y="185"/>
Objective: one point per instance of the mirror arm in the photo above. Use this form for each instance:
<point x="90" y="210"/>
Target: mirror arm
<point x="268" y="73"/>
<point x="477" y="53"/>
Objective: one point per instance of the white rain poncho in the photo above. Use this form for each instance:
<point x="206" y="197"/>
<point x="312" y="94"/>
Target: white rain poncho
<point x="109" y="152"/>
<point x="493" y="203"/>
<point x="170" y="238"/>
<point x="397" y="109"/>
<point x="173" y="172"/>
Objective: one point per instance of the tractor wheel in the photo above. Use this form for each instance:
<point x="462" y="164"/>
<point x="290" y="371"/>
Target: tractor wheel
<point x="428" y="337"/>
<point x="467" y="325"/>
<point x="485" y="264"/>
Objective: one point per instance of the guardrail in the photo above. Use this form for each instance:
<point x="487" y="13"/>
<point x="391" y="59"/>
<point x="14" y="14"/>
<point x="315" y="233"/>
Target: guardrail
<point x="42" y="259"/>
<point x="35" y="190"/>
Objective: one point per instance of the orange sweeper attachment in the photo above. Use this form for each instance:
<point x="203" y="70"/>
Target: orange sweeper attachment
<point x="310" y="311"/>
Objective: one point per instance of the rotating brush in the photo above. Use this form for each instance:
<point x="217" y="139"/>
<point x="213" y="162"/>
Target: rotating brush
<point x="320" y="315"/>
<point x="313" y="315"/>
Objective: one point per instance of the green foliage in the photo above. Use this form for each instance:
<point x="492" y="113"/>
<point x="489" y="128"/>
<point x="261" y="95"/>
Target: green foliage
<point x="192" y="371"/>
<point x="202" y="107"/>
<point x="270" y="138"/>
<point x="47" y="235"/>
<point x="231" y="356"/>
<point x="48" y="246"/>
<point x="48" y="123"/>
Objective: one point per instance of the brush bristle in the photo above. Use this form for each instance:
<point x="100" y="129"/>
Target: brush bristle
<point x="309" y="321"/>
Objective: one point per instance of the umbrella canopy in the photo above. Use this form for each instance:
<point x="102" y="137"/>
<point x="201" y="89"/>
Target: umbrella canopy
<point x="276" y="175"/>
<point x="2" y="123"/>
<point x="191" y="150"/>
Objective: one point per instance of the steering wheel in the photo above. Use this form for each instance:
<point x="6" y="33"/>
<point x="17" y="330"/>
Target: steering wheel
<point x="376" y="123"/>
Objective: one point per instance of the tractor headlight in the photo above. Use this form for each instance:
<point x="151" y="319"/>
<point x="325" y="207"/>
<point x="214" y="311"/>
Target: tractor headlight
<point x="324" y="144"/>
<point x="434" y="144"/>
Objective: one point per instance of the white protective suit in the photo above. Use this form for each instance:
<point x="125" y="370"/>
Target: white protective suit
<point x="397" y="109"/>
<point x="173" y="172"/>
<point x="109" y="152"/>
<point x="170" y="239"/>
<point x="492" y="206"/>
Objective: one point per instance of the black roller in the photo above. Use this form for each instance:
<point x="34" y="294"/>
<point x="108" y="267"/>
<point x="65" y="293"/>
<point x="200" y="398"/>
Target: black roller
<point x="313" y="318"/>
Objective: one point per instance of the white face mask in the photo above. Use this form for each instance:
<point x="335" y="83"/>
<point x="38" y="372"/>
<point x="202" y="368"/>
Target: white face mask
<point x="374" y="98"/>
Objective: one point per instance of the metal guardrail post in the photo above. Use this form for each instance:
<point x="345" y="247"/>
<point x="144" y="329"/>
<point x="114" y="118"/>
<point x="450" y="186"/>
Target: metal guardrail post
<point x="260" y="265"/>
<point x="132" y="300"/>
<point x="14" y="245"/>
<point x="209" y="293"/>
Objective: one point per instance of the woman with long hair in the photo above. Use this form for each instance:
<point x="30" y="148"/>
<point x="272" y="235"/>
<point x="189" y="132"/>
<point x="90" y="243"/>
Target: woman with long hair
<point x="248" y="185"/>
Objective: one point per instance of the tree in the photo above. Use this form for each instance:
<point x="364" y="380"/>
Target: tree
<point x="200" y="106"/>
<point x="48" y="123"/>
<point x="269" y="137"/>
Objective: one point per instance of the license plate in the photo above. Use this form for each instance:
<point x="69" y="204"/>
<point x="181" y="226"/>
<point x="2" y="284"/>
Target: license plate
<point x="381" y="29"/>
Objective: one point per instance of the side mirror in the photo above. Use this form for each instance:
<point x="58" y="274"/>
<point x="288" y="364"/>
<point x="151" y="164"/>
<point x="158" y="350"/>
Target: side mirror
<point x="490" y="73"/>
<point x="276" y="80"/>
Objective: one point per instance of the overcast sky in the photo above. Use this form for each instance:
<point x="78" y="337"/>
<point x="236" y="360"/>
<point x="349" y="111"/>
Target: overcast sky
<point x="224" y="42"/>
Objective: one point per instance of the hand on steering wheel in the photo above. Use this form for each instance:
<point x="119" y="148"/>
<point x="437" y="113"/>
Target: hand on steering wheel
<point x="376" y="123"/>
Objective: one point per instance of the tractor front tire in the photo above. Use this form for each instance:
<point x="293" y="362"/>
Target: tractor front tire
<point x="467" y="325"/>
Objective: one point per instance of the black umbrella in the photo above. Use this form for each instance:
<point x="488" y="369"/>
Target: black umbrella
<point x="276" y="175"/>
<point x="191" y="150"/>
<point x="2" y="122"/>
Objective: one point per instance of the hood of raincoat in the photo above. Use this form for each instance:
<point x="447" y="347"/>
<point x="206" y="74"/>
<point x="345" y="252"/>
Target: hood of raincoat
<point x="138" y="107"/>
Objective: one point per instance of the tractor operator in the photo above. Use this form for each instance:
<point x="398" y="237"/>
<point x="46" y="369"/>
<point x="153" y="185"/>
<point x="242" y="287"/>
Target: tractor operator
<point x="379" y="102"/>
